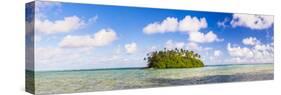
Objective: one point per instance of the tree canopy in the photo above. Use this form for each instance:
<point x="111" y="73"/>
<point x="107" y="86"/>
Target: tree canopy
<point x="175" y="58"/>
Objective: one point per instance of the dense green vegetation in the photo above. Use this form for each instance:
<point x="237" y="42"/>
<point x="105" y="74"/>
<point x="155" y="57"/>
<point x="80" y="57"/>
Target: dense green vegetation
<point x="176" y="58"/>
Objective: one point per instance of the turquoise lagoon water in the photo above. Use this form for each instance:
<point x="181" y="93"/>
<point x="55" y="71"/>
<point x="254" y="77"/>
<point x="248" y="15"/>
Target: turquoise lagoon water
<point x="51" y="82"/>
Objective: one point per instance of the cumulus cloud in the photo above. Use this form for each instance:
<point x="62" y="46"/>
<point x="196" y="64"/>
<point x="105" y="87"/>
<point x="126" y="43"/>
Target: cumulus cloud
<point x="217" y="53"/>
<point x="131" y="48"/>
<point x="239" y="52"/>
<point x="215" y="57"/>
<point x="68" y="24"/>
<point x="203" y="38"/>
<point x="100" y="38"/>
<point x="257" y="22"/>
<point x="250" y="41"/>
<point x="47" y="54"/>
<point x="193" y="46"/>
<point x="172" y="24"/>
<point x="152" y="48"/>
<point x="170" y="44"/>
<point x="46" y="26"/>
<point x="189" y="25"/>
<point x="192" y="24"/>
<point x="43" y="25"/>
<point x="61" y="58"/>
<point x="259" y="53"/>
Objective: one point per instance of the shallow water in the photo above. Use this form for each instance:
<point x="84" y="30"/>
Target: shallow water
<point x="98" y="80"/>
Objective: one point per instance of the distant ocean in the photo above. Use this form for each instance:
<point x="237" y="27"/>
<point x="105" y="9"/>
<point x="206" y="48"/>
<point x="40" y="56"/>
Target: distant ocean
<point x="54" y="82"/>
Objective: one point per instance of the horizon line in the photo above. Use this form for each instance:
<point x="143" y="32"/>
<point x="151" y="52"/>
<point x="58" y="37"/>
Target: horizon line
<point x="97" y="69"/>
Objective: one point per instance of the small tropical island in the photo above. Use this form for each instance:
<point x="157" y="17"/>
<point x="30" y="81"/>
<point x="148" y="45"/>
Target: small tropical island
<point x="175" y="58"/>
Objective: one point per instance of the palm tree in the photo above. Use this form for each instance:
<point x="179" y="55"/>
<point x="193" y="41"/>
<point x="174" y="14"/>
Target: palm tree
<point x="173" y="58"/>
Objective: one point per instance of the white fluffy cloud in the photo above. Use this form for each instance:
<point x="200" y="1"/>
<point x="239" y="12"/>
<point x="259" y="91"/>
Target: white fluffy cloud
<point x="215" y="57"/>
<point x="170" y="44"/>
<point x="259" y="53"/>
<point x="193" y="46"/>
<point x="203" y="38"/>
<point x="217" y="53"/>
<point x="250" y="41"/>
<point x="252" y="21"/>
<point x="61" y="58"/>
<point x="100" y="38"/>
<point x="172" y="24"/>
<point x="131" y="48"/>
<point x="68" y="24"/>
<point x="48" y="54"/>
<point x="47" y="26"/>
<point x="192" y="24"/>
<point x="239" y="52"/>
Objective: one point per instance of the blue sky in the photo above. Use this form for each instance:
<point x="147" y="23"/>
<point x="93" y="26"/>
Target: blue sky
<point x="85" y="36"/>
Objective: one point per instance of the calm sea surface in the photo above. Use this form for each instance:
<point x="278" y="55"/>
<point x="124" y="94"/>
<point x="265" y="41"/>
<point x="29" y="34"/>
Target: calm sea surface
<point x="98" y="80"/>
